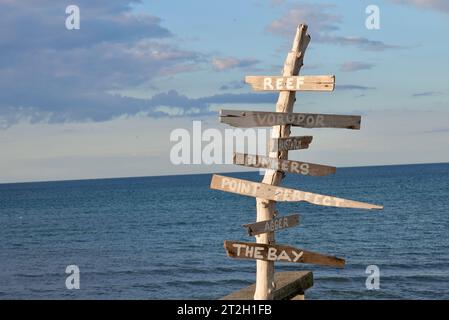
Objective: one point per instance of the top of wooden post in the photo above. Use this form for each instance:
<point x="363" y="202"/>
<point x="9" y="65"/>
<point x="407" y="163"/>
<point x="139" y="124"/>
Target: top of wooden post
<point x="299" y="46"/>
<point x="300" y="33"/>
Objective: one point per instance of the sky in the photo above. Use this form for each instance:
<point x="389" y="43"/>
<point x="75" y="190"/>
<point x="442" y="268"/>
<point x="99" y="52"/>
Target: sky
<point x="101" y="101"/>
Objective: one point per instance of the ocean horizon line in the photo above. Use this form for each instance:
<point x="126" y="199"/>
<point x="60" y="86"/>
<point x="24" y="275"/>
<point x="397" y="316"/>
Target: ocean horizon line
<point x="206" y="173"/>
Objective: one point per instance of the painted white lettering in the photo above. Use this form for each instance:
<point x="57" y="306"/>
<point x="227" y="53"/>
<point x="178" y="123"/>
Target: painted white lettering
<point x="267" y="84"/>
<point x="271" y="255"/>
<point x="249" y="252"/>
<point x="297" y="255"/>
<point x="239" y="247"/>
<point x="279" y="83"/>
<point x="284" y="256"/>
<point x="289" y="84"/>
<point x="304" y="168"/>
<point x="320" y="120"/>
<point x="258" y="252"/>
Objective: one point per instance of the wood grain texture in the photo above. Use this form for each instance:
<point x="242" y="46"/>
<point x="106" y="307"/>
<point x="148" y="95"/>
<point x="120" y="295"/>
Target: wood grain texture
<point x="250" y="119"/>
<point x="279" y="253"/>
<point x="291" y="83"/>
<point x="298" y="167"/>
<point x="275" y="193"/>
<point x="273" y="225"/>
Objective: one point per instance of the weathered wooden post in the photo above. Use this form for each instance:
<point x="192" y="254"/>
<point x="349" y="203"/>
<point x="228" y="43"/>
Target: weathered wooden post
<point x="265" y="251"/>
<point x="266" y="209"/>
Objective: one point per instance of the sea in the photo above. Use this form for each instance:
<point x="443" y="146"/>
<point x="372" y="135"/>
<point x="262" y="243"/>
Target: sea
<point x="162" y="237"/>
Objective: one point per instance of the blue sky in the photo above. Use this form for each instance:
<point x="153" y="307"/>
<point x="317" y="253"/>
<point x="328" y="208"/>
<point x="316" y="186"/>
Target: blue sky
<point x="101" y="101"/>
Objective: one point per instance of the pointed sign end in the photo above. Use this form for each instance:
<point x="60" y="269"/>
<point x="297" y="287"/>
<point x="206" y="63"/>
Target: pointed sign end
<point x="375" y="207"/>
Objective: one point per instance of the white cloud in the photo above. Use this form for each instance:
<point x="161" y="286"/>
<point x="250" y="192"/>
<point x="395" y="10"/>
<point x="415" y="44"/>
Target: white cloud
<point x="351" y="66"/>
<point x="50" y="74"/>
<point x="437" y="5"/>
<point x="318" y="16"/>
<point x="221" y="64"/>
<point x="177" y="111"/>
<point x="324" y="23"/>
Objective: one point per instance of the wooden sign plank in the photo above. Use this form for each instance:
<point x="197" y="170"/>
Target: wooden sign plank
<point x="290" y="143"/>
<point x="291" y="83"/>
<point x="269" y="192"/>
<point x="275" y="224"/>
<point x="249" y="119"/>
<point x="282" y="253"/>
<point x="304" y="168"/>
<point x="289" y="285"/>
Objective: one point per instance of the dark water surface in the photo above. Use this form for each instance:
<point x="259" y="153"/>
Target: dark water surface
<point x="162" y="237"/>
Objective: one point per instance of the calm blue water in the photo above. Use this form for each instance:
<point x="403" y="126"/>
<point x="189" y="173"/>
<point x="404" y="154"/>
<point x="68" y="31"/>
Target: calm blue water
<point x="162" y="237"/>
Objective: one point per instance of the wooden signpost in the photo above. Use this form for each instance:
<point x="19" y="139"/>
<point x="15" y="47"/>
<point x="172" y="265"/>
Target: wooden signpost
<point x="275" y="224"/>
<point x="267" y="193"/>
<point x="246" y="119"/>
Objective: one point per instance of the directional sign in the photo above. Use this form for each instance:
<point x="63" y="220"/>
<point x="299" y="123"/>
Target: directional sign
<point x="269" y="192"/>
<point x="304" y="168"/>
<point x="275" y="224"/>
<point x="249" y="119"/>
<point x="258" y="251"/>
<point x="290" y="143"/>
<point x="292" y="83"/>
